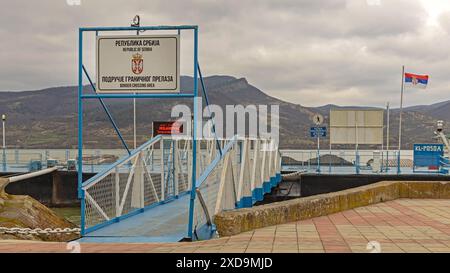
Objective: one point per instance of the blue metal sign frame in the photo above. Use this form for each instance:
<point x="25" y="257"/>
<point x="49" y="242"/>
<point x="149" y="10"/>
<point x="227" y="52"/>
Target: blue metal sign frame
<point x="427" y="155"/>
<point x="82" y="96"/>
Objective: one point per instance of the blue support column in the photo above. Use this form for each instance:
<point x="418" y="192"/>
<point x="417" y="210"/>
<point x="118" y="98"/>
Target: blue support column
<point x="80" y="129"/>
<point x="194" y="139"/>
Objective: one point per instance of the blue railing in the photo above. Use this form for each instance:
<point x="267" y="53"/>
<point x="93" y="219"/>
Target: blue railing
<point x="444" y="165"/>
<point x="133" y="184"/>
<point x="233" y="173"/>
<point x="121" y="161"/>
<point x="236" y="178"/>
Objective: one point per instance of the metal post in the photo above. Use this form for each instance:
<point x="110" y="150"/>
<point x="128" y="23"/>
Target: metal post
<point x="4" y="159"/>
<point x="117" y="190"/>
<point x="194" y="139"/>
<point x="4" y="130"/>
<point x="136" y="23"/>
<point x="387" y="137"/>
<point x="46" y="156"/>
<point x="400" y="120"/>
<point x="309" y="161"/>
<point x="4" y="142"/>
<point x="382" y="156"/>
<point x="357" y="162"/>
<point x="329" y="165"/>
<point x="134" y="123"/>
<point x="162" y="169"/>
<point x="357" y="143"/>
<point x="318" y="149"/>
<point x="176" y="165"/>
<point x="80" y="128"/>
<point x="134" y="114"/>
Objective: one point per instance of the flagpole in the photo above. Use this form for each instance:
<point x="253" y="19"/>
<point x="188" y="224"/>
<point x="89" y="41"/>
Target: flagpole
<point x="400" y="119"/>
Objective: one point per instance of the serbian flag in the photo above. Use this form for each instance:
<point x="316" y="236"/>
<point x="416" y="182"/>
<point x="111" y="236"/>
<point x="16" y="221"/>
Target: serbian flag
<point x="420" y="81"/>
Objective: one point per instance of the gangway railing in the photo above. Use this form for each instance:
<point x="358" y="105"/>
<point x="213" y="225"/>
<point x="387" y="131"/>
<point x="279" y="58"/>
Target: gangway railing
<point x="134" y="183"/>
<point x="232" y="173"/>
<point x="444" y="165"/>
<point x="348" y="161"/>
<point x="237" y="178"/>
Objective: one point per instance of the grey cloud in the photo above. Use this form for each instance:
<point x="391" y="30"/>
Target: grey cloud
<point x="344" y="50"/>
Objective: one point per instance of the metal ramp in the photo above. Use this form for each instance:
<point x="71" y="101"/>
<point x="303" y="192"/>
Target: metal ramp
<point x="164" y="223"/>
<point x="147" y="196"/>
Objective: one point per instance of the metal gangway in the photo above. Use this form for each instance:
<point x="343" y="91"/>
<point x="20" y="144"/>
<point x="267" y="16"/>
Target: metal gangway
<point x="148" y="195"/>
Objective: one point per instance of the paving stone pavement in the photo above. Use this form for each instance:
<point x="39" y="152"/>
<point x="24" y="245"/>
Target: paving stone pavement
<point x="404" y="225"/>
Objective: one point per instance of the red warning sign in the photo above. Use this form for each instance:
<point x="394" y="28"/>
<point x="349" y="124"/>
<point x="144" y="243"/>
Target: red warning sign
<point x="167" y="128"/>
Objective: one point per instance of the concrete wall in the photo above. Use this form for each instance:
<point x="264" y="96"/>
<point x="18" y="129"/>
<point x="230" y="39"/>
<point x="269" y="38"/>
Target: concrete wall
<point x="320" y="184"/>
<point x="241" y="220"/>
<point x="313" y="184"/>
<point x="57" y="189"/>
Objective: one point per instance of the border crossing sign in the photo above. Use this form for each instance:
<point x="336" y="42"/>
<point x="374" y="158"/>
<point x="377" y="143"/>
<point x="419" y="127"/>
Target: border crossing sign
<point x="138" y="64"/>
<point x="318" y="131"/>
<point x="428" y="155"/>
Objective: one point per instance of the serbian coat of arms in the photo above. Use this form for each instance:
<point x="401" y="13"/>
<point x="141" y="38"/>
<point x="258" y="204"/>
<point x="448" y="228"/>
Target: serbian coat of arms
<point x="137" y="64"/>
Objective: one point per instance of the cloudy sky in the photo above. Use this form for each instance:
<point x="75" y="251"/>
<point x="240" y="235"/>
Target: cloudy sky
<point x="309" y="52"/>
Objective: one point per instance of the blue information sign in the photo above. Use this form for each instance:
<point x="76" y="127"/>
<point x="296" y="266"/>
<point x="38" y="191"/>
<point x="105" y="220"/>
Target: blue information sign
<point x="428" y="155"/>
<point x="320" y="131"/>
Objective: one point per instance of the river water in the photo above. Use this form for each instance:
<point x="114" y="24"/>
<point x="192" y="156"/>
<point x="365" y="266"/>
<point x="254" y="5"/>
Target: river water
<point x="71" y="214"/>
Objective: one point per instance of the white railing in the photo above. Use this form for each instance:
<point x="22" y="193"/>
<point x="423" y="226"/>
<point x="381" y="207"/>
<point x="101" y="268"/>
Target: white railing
<point x="347" y="161"/>
<point x="153" y="173"/>
<point x="444" y="164"/>
<point x="230" y="174"/>
<point x="238" y="178"/>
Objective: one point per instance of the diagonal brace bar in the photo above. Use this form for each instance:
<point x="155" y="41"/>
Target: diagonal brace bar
<point x="107" y="112"/>
<point x="207" y="105"/>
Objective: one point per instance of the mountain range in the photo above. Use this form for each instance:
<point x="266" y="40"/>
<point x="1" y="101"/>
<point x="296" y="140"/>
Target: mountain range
<point x="48" y="118"/>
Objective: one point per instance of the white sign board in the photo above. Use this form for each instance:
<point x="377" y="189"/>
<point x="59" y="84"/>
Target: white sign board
<point x="138" y="64"/>
<point x="356" y="126"/>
